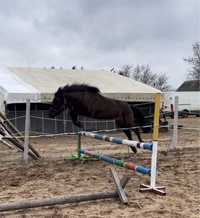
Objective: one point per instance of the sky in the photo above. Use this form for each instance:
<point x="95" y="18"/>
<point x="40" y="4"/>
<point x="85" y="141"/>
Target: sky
<point x="100" y="34"/>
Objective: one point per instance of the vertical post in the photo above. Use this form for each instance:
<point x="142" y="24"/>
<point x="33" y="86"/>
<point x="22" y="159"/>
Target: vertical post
<point x="154" y="164"/>
<point x="27" y="130"/>
<point x="95" y="126"/>
<point x="15" y="120"/>
<point x="155" y="140"/>
<point x="64" y="121"/>
<point x="77" y="156"/>
<point x="156" y="117"/>
<point x="43" y="122"/>
<point x="78" y="144"/>
<point x="55" y="126"/>
<point x="152" y="187"/>
<point x="175" y="125"/>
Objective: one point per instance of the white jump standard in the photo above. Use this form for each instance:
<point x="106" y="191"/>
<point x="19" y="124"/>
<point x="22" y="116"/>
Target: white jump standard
<point x="148" y="146"/>
<point x="152" y="187"/>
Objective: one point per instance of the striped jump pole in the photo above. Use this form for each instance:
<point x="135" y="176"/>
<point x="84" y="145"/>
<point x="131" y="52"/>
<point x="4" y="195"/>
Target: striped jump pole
<point x="128" y="165"/>
<point x="141" y="145"/>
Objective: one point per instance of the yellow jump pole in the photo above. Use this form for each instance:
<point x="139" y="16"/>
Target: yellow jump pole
<point x="156" y="118"/>
<point x="152" y="186"/>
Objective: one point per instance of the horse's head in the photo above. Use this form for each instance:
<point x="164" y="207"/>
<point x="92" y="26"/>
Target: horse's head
<point x="58" y="104"/>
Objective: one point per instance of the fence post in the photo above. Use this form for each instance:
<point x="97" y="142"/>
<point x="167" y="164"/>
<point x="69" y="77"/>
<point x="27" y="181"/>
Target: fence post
<point x="175" y="125"/>
<point x="27" y="131"/>
<point x="43" y="122"/>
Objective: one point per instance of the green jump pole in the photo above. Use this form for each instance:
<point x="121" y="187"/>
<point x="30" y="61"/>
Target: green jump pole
<point x="78" y="155"/>
<point x="78" y="145"/>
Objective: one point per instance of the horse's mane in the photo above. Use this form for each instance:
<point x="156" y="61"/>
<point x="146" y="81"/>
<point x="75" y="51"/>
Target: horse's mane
<point x="80" y="88"/>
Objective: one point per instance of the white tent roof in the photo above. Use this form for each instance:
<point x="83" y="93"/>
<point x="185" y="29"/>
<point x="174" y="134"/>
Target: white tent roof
<point x="39" y="85"/>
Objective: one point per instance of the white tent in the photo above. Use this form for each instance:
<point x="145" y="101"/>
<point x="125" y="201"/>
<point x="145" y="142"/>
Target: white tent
<point x="40" y="84"/>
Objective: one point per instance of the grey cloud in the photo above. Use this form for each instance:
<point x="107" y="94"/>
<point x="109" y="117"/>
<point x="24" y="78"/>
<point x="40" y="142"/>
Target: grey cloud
<point x="99" y="33"/>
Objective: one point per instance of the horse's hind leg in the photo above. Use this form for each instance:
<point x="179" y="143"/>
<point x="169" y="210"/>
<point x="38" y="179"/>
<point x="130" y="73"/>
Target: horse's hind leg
<point x="128" y="134"/>
<point x="137" y="132"/>
<point x="74" y="116"/>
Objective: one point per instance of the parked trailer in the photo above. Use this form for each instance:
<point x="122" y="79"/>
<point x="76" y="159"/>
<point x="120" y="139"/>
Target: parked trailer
<point x="189" y="103"/>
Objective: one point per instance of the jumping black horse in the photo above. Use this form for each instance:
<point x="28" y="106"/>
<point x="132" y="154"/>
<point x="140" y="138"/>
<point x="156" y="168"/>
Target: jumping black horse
<point x="85" y="100"/>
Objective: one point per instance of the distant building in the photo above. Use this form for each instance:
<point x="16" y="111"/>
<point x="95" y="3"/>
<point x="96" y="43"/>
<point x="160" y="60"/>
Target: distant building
<point x="189" y="86"/>
<point x="189" y="98"/>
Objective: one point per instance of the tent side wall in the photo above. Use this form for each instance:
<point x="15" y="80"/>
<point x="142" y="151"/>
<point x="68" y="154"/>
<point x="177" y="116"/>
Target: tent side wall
<point x="2" y="101"/>
<point x="2" y="106"/>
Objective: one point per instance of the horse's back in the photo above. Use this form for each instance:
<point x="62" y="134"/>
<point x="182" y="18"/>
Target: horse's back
<point x="107" y="108"/>
<point x="94" y="105"/>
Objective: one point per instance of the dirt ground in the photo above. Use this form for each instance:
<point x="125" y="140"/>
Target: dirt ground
<point x="52" y="176"/>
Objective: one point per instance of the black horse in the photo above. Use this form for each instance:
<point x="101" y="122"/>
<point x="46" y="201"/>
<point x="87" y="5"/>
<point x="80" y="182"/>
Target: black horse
<point x="81" y="99"/>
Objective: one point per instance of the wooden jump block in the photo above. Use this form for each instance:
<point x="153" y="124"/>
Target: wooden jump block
<point x="10" y="133"/>
<point x="120" y="190"/>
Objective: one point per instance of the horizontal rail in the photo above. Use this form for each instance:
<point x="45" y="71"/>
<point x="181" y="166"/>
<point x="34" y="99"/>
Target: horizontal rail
<point x="142" y="145"/>
<point x="120" y="163"/>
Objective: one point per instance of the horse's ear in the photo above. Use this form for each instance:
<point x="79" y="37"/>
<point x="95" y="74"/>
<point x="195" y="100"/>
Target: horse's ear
<point x="59" y="89"/>
<point x="59" y="92"/>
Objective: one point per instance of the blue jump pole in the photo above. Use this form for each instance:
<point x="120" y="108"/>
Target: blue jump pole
<point x="145" y="146"/>
<point x="113" y="161"/>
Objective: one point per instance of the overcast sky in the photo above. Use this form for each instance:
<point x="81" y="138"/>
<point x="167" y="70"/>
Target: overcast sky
<point x="100" y="34"/>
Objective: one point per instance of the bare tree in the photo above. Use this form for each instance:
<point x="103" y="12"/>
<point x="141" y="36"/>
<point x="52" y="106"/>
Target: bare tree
<point x="194" y="73"/>
<point x="143" y="73"/>
<point x="125" y="71"/>
<point x="162" y="82"/>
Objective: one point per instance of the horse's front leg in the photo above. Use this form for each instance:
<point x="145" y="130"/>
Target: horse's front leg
<point x="74" y="117"/>
<point x="128" y="134"/>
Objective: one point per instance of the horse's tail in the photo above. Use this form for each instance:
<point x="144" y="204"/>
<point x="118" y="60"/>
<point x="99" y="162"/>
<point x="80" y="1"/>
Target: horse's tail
<point x="138" y="116"/>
